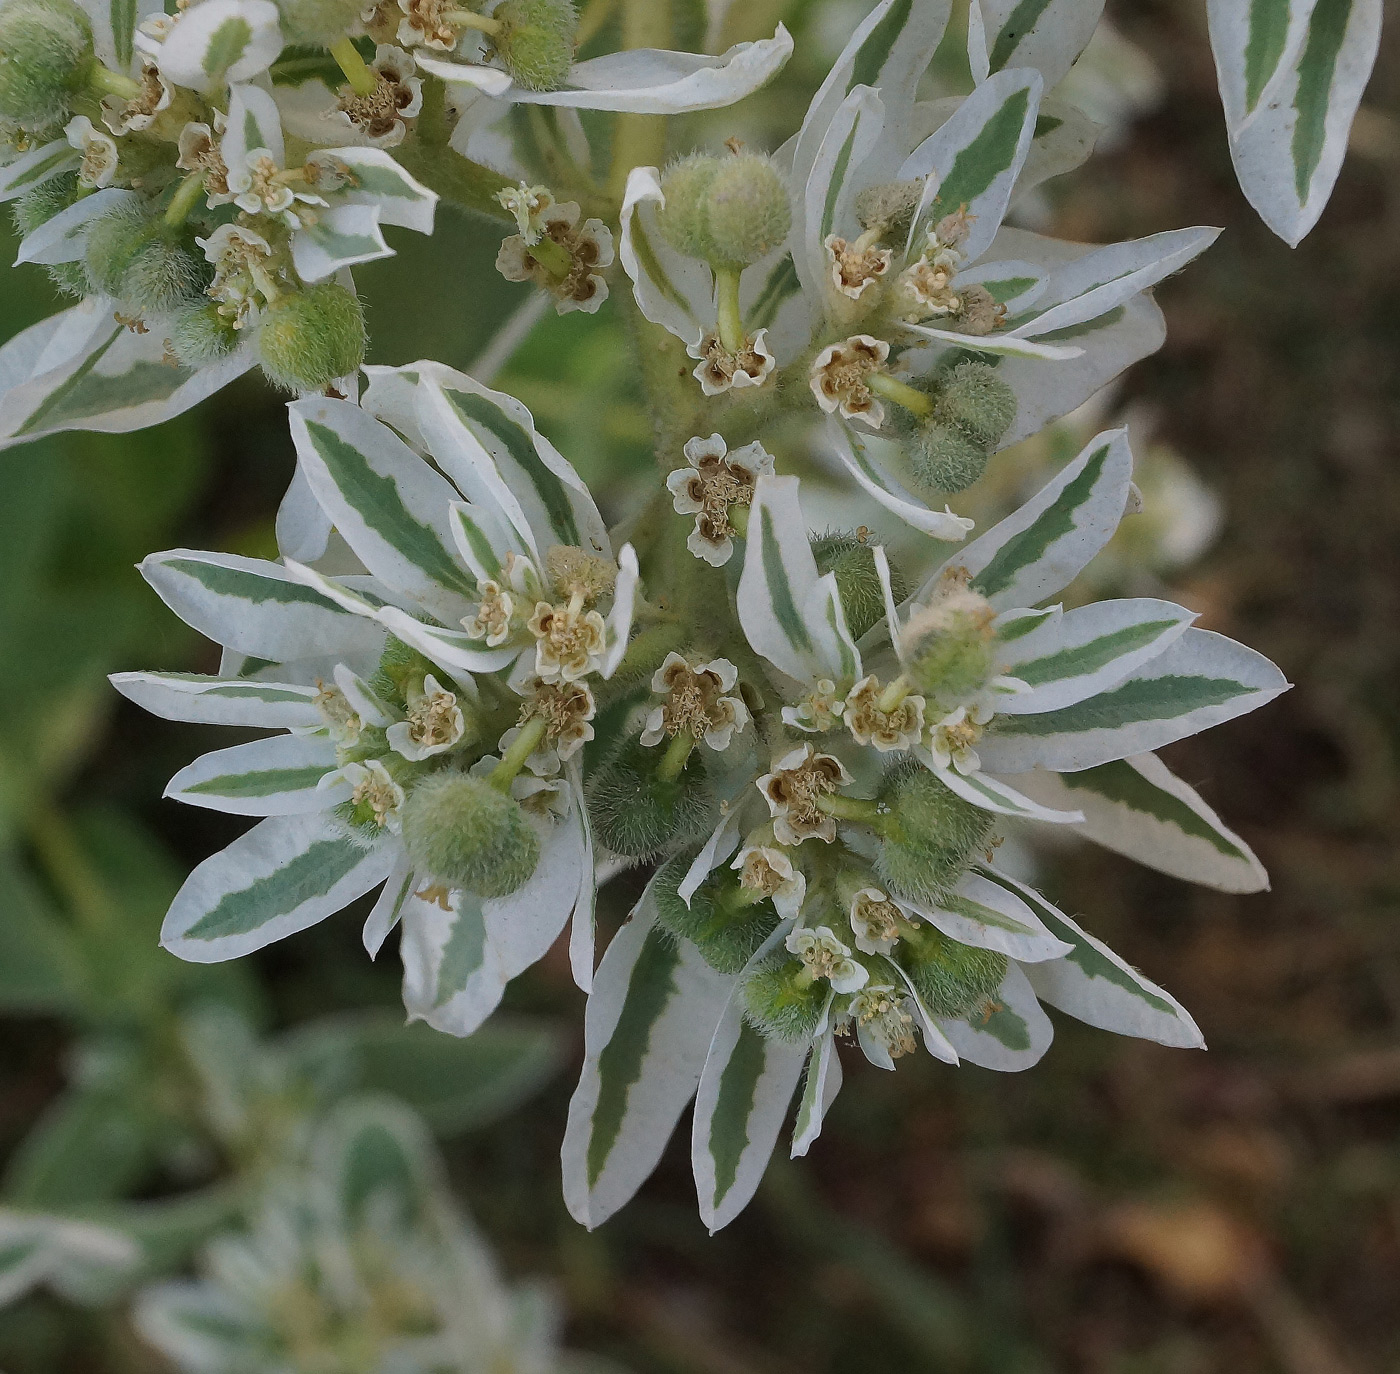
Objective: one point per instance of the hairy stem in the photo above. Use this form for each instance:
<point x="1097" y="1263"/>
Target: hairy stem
<point x="640" y="140"/>
<point x="347" y="56"/>
<point x="513" y="760"/>
<point x="674" y="759"/>
<point x="427" y="156"/>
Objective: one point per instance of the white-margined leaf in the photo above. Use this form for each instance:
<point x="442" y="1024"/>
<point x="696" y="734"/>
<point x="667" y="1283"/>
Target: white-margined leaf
<point x="872" y="477"/>
<point x="1200" y="680"/>
<point x="253" y="122"/>
<point x="555" y="503"/>
<point x="1094" y="985"/>
<point x="790" y="614"/>
<point x="1009" y="1033"/>
<point x="1103" y="279"/>
<point x="34" y="168"/>
<point x="256" y="607"/>
<point x="641" y="81"/>
<point x="221" y="41"/>
<point x="277" y="776"/>
<point x="221" y="701"/>
<point x="819" y="1089"/>
<point x="671" y="289"/>
<point x="846" y="162"/>
<point x="996" y="796"/>
<point x="1292" y="73"/>
<point x="889" y="51"/>
<point x="973" y="159"/>
<point x="647" y="1028"/>
<point x="984" y="914"/>
<point x="1064" y="139"/>
<point x="1087" y="650"/>
<point x="459" y="952"/>
<point x="303" y="528"/>
<point x="740" y="1106"/>
<point x="1138" y="807"/>
<point x="78" y="1259"/>
<point x="340" y="237"/>
<point x="80" y="369"/>
<point x="376" y="180"/>
<point x="1045" y="34"/>
<point x="63" y="237"/>
<point x="392" y="509"/>
<point x="1043" y="546"/>
<point x="285" y="874"/>
<point x="387" y="910"/>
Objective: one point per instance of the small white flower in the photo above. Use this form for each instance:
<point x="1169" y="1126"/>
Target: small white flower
<point x="570" y="642"/>
<point x="567" y="709"/>
<point x="372" y="788"/>
<point x="576" y="279"/>
<point x="255" y="187"/>
<point x="839" y="378"/>
<point x="767" y="869"/>
<point x="792" y="790"/>
<point x="874" y="920"/>
<point x="855" y="267"/>
<point x="900" y="725"/>
<point x="527" y="204"/>
<point x="342" y="721"/>
<point x="138" y="113"/>
<point x="696" y="700"/>
<point x="820" y="710"/>
<point x="824" y="956"/>
<point x="714" y="481"/>
<point x="720" y="370"/>
<point x="397" y="96"/>
<point x="434" y="723"/>
<point x="954" y="737"/>
<point x="428" y="24"/>
<point x="198" y="151"/>
<point x="242" y="270"/>
<point x="99" y="151"/>
<point x="883" y="1025"/>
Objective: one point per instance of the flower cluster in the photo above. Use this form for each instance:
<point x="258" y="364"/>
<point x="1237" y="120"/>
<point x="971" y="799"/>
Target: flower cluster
<point x="482" y="703"/>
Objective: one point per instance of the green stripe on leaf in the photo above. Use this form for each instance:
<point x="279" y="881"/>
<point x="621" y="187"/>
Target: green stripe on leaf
<point x="1135" y="702"/>
<point x="1084" y="659"/>
<point x="649" y="992"/>
<point x="1024" y="549"/>
<point x="311" y="874"/>
<point x="990" y="154"/>
<point x="1317" y="69"/>
<point x="264" y="782"/>
<point x="734" y="1104"/>
<point x="779" y="589"/>
<point x="376" y="500"/>
<point x="551" y="491"/>
<point x="1120" y="782"/>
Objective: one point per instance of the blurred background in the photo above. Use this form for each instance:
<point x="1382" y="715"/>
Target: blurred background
<point x="1122" y="1207"/>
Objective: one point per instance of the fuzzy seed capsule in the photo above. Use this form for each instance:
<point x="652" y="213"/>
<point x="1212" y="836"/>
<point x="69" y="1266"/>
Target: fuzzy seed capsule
<point x="944" y="457"/>
<point x="889" y="208"/>
<point x="932" y="835"/>
<point x="112" y="244"/>
<point x="40" y="205"/>
<point x="682" y="219"/>
<point x="726" y="934"/>
<point x="977" y="401"/>
<point x="780" y="1002"/>
<point x="952" y="979"/>
<point x="747" y="210"/>
<point x="312" y="337"/>
<point x="465" y="833"/>
<point x="853" y="562"/>
<point x="200" y="335"/>
<point x="46" y="56"/>
<point x="317" y="23"/>
<point x="636" y="814"/>
<point x="536" y="42"/>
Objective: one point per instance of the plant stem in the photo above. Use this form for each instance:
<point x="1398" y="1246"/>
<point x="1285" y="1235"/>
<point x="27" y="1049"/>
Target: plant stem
<point x="858" y="809"/>
<point x="640" y="140"/>
<point x="104" y="81"/>
<point x="470" y="19"/>
<point x="739" y="519"/>
<point x="893" y="694"/>
<point x="183" y="202"/>
<point x="347" y="55"/>
<point x="901" y="393"/>
<point x="731" y="319"/>
<point x="674" y="759"/>
<point x="427" y="156"/>
<point x="513" y="760"/>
